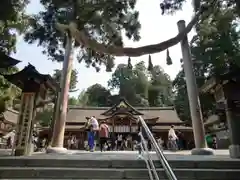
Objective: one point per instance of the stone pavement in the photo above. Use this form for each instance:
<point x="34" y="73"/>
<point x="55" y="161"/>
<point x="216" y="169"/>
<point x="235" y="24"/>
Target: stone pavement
<point x="220" y="155"/>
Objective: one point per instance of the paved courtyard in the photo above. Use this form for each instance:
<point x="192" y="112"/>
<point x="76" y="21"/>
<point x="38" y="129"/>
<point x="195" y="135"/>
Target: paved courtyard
<point x="220" y="155"/>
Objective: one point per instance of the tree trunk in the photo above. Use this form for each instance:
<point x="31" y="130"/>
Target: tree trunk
<point x="59" y="125"/>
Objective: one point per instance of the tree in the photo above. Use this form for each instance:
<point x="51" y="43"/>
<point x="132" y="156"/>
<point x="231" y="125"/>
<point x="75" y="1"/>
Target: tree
<point x="44" y="117"/>
<point x="104" y="20"/>
<point x="132" y="83"/>
<point x="214" y="49"/>
<point x="8" y="91"/>
<point x="83" y="98"/>
<point x="142" y="87"/>
<point x="73" y="83"/>
<point x="97" y="95"/>
<point x="72" y="101"/>
<point x="160" y="89"/>
<point x="12" y="21"/>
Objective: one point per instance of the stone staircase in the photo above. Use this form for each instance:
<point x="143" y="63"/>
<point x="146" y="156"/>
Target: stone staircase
<point x="115" y="167"/>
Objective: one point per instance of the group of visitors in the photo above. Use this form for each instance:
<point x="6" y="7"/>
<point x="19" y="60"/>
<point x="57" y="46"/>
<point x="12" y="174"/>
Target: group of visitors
<point x="118" y="142"/>
<point x="176" y="141"/>
<point x="93" y="128"/>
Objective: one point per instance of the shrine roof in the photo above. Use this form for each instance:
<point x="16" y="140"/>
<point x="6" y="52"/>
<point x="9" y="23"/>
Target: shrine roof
<point x="212" y="119"/>
<point x="7" y="61"/>
<point x="27" y="73"/>
<point x="213" y="81"/>
<point x="162" y="114"/>
<point x="11" y="116"/>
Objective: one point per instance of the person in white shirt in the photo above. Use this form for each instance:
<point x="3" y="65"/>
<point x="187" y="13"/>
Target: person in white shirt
<point x="172" y="139"/>
<point x="94" y="123"/>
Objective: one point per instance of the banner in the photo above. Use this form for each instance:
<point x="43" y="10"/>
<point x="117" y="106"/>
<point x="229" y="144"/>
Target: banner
<point x="24" y="122"/>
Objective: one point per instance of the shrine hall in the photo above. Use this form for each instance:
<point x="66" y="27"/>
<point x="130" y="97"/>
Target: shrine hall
<point x="121" y="119"/>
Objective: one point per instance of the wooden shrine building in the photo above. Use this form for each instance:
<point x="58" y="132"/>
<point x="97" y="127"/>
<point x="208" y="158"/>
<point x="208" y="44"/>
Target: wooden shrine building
<point x="121" y="119"/>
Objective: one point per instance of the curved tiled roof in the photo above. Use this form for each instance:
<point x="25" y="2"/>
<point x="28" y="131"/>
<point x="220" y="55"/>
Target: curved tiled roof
<point x="164" y="114"/>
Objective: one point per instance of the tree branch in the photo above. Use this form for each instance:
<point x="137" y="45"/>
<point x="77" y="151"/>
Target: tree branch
<point x="83" y="38"/>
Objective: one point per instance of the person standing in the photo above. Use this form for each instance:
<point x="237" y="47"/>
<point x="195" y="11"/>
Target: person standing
<point x="139" y="141"/>
<point x="119" y="141"/>
<point x="94" y="127"/>
<point x="103" y="134"/>
<point x="172" y="137"/>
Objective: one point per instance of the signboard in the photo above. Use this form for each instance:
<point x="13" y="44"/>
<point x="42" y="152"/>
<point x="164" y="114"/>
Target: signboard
<point x="24" y="122"/>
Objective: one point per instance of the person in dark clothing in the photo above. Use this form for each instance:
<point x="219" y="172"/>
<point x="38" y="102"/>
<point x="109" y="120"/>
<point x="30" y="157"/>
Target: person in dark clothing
<point x="149" y="145"/>
<point x="139" y="141"/>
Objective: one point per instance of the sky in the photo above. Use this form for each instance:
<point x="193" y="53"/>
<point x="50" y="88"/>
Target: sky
<point x="155" y="28"/>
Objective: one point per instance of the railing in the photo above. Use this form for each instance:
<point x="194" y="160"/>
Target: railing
<point x="149" y="162"/>
<point x="167" y="168"/>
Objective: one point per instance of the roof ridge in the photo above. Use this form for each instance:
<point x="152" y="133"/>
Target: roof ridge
<point x="12" y="110"/>
<point x="138" y="108"/>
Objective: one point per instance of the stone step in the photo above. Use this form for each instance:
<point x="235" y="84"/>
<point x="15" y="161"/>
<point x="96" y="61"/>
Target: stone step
<point x="113" y="173"/>
<point x="78" y="163"/>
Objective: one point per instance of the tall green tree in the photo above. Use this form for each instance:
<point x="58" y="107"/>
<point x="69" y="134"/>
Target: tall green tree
<point x="72" y="101"/>
<point x="83" y="98"/>
<point x="160" y="88"/>
<point x="12" y="22"/>
<point x="8" y="91"/>
<point x="73" y="82"/>
<point x="102" y="20"/>
<point x="215" y="49"/>
<point x="97" y="95"/>
<point x="131" y="83"/>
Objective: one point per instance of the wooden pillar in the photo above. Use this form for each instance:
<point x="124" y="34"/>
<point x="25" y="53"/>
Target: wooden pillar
<point x="130" y="125"/>
<point x="113" y="125"/>
<point x="24" y="124"/>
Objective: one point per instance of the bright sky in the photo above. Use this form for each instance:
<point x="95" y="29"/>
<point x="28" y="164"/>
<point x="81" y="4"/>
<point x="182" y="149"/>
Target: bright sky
<point x="155" y="28"/>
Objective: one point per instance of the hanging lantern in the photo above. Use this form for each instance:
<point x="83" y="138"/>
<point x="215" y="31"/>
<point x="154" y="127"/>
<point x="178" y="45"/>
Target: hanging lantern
<point x="129" y="63"/>
<point x="169" y="60"/>
<point x="150" y="65"/>
<point x="109" y="64"/>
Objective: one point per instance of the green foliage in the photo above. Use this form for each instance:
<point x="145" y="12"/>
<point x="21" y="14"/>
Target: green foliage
<point x="141" y="87"/>
<point x="171" y="6"/>
<point x="83" y="98"/>
<point x="160" y="88"/>
<point x="215" y="49"/>
<point x="8" y="91"/>
<point x="102" y="20"/>
<point x="12" y="21"/>
<point x="95" y="95"/>
<point x="72" y="101"/>
<point x="73" y="81"/>
<point x="44" y="117"/>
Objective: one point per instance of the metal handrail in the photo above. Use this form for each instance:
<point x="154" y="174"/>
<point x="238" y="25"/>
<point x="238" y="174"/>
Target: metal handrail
<point x="168" y="170"/>
<point x="144" y="147"/>
<point x="147" y="164"/>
